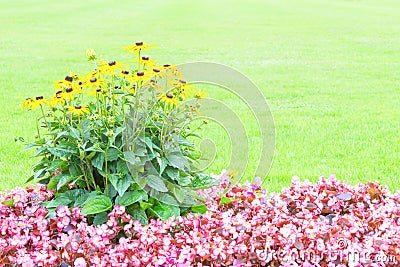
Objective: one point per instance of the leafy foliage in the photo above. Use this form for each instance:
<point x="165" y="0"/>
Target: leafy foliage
<point x="120" y="135"/>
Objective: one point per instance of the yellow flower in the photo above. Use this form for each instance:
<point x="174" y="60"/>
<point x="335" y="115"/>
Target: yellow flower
<point x="199" y="94"/>
<point x="93" y="82"/>
<point x="70" y="81"/>
<point x="78" y="110"/>
<point x="185" y="89"/>
<point x="137" y="47"/>
<point x="59" y="98"/>
<point x="90" y="54"/>
<point x="169" y="98"/>
<point x="62" y="84"/>
<point x="37" y="102"/>
<point x="27" y="103"/>
<point x="147" y="62"/>
<point x="94" y="92"/>
<point x="109" y="68"/>
<point x="139" y="76"/>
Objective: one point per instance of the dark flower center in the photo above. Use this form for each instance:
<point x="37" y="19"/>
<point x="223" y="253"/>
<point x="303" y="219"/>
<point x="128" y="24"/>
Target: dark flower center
<point x="68" y="90"/>
<point x="78" y="107"/>
<point x="58" y="92"/>
<point x="68" y="78"/>
<point x="93" y="80"/>
<point x="145" y="58"/>
<point x="169" y="95"/>
<point x="141" y="73"/>
<point x="125" y="72"/>
<point x="139" y="43"/>
<point x="112" y="63"/>
<point x="156" y="70"/>
<point x="98" y="90"/>
<point x="39" y="97"/>
<point x="167" y="65"/>
<point x="182" y="81"/>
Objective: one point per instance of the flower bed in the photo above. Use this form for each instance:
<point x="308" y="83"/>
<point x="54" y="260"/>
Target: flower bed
<point x="328" y="223"/>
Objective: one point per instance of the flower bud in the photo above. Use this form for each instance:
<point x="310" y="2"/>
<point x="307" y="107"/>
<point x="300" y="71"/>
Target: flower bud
<point x="90" y="54"/>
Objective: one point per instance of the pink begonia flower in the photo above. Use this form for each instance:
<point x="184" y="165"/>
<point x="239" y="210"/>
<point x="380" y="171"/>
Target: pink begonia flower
<point x="253" y="230"/>
<point x="80" y="262"/>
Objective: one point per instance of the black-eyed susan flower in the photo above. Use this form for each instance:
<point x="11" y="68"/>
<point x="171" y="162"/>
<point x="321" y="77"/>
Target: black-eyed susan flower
<point x="110" y="67"/>
<point x="137" y="47"/>
<point x="78" y="110"/>
<point x="37" y="102"/>
<point x="58" y="98"/>
<point x="169" y="98"/>
<point x="139" y="77"/>
<point x="199" y="94"/>
<point x="27" y="103"/>
<point x="93" y="82"/>
<point x="146" y="62"/>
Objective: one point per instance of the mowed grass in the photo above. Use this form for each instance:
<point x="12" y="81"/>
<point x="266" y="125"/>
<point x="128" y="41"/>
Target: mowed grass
<point x="330" y="71"/>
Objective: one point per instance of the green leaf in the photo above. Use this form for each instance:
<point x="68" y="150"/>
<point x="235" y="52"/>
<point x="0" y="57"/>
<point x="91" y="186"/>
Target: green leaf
<point x="156" y="183"/>
<point x="138" y="214"/>
<point x="173" y="210"/>
<point x="162" y="162"/>
<point x="183" y="141"/>
<point x="112" y="154"/>
<point x="29" y="179"/>
<point x="145" y="205"/>
<point x="226" y="200"/>
<point x="179" y="194"/>
<point x="184" y="180"/>
<point x="74" y="133"/>
<point x="121" y="184"/>
<point x="200" y="208"/>
<point x="97" y="204"/>
<point x="100" y="218"/>
<point x="202" y="181"/>
<point x="56" y="165"/>
<point x="52" y="184"/>
<point x="95" y="148"/>
<point x="74" y="194"/>
<point x="129" y="198"/>
<point x="177" y="160"/>
<point x="160" y="211"/>
<point x="130" y="157"/>
<point x="40" y="151"/>
<point x="59" y="201"/>
<point x="167" y="199"/>
<point x="64" y="150"/>
<point x="149" y="143"/>
<point x="172" y="173"/>
<point x="122" y="167"/>
<point x="74" y="170"/>
<point x="63" y="179"/>
<point x="29" y="146"/>
<point x="39" y="173"/>
<point x="98" y="160"/>
<point x="80" y="201"/>
<point x="8" y="203"/>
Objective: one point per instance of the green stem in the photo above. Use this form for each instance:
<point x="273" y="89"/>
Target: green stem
<point x="44" y="116"/>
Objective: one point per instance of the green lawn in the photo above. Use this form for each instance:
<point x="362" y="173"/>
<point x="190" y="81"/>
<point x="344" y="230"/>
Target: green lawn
<point x="330" y="71"/>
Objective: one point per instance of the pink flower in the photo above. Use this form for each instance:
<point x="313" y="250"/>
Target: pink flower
<point x="80" y="262"/>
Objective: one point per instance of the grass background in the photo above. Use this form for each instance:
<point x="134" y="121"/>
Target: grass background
<point x="329" y="70"/>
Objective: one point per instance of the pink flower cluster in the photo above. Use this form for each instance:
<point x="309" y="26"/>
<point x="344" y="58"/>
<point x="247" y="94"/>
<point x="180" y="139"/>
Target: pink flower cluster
<point x="326" y="224"/>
